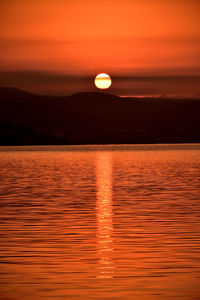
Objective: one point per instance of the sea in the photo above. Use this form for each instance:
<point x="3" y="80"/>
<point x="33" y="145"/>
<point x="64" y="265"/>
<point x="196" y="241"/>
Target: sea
<point x="100" y="222"/>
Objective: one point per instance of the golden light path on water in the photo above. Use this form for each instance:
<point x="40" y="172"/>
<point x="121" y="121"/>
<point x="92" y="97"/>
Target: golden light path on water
<point x="104" y="214"/>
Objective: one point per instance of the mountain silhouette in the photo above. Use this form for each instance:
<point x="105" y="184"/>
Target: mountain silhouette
<point x="95" y="118"/>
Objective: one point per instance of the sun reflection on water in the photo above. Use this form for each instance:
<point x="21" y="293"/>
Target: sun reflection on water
<point x="104" y="214"/>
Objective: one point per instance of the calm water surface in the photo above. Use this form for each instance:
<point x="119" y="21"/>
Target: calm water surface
<point x="100" y="222"/>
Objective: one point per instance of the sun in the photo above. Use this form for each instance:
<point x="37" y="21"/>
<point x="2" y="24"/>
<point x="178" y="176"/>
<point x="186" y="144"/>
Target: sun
<point x="103" y="81"/>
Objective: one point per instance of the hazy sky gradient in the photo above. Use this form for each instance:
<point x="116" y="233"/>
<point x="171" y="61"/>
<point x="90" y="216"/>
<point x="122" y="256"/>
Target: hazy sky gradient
<point x="80" y="38"/>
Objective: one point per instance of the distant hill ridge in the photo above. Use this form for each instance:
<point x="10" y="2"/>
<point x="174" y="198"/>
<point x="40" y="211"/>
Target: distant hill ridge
<point x="95" y="118"/>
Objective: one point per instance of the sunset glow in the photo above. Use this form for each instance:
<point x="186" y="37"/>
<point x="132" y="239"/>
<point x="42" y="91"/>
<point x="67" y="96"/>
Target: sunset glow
<point x="55" y="47"/>
<point x="100" y="149"/>
<point x="103" y="81"/>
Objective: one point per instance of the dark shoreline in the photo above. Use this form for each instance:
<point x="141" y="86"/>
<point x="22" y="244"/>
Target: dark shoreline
<point x="95" y="118"/>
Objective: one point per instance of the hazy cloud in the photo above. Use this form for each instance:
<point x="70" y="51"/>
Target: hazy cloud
<point x="63" y="84"/>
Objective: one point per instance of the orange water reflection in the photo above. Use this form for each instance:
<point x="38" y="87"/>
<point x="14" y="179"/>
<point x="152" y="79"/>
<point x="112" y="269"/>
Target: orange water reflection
<point x="100" y="222"/>
<point x="104" y="214"/>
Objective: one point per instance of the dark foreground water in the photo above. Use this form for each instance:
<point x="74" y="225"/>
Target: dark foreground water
<point x="100" y="222"/>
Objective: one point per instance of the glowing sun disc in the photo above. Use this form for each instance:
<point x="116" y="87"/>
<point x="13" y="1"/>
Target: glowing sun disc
<point x="103" y="81"/>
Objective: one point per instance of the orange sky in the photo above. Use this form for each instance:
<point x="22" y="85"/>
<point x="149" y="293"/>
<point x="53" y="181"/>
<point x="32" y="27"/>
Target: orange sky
<point x="85" y="37"/>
